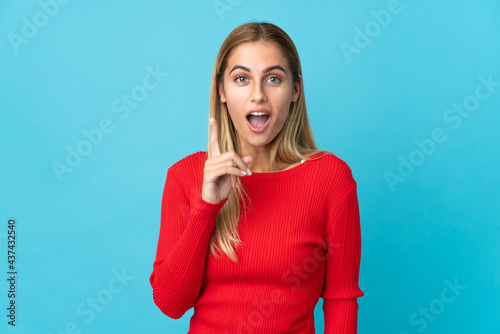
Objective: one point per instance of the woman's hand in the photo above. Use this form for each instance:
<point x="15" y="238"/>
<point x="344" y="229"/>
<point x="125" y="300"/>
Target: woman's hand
<point x="221" y="171"/>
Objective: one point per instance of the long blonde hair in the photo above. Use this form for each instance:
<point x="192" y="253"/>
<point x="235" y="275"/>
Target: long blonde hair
<point x="294" y="142"/>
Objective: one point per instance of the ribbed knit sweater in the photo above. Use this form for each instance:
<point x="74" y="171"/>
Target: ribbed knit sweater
<point x="301" y="241"/>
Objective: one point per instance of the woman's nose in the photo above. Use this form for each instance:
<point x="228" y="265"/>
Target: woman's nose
<point x="258" y="93"/>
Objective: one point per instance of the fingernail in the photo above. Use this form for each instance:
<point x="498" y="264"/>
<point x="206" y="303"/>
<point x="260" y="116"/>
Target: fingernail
<point x="236" y="186"/>
<point x="210" y="121"/>
<point x="249" y="172"/>
<point x="244" y="173"/>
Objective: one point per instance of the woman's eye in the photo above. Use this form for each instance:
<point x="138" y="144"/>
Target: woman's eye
<point x="240" y="77"/>
<point x="277" y="80"/>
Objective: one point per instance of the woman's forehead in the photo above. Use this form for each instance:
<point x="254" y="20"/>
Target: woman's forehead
<point x="256" y="57"/>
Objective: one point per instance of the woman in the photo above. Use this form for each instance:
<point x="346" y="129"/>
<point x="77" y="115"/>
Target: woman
<point x="255" y="230"/>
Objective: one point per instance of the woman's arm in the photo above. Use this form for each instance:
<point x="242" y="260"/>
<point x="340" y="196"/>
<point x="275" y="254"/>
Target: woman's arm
<point x="340" y="290"/>
<point x="187" y="222"/>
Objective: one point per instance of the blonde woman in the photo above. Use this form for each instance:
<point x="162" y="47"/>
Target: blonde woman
<point x="255" y="230"/>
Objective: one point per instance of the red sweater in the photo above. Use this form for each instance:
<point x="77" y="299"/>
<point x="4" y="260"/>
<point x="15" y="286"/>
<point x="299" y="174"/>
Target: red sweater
<point x="302" y="241"/>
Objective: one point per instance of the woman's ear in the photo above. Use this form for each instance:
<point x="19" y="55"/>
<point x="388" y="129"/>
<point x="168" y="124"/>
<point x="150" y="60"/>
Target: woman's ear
<point x="221" y="93"/>
<point x="296" y="89"/>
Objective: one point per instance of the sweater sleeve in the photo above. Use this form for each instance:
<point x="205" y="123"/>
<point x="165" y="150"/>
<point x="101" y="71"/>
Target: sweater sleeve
<point x="187" y="223"/>
<point x="340" y="289"/>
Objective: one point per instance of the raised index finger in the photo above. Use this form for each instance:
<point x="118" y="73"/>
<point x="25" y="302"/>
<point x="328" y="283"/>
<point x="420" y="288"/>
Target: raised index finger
<point x="214" y="138"/>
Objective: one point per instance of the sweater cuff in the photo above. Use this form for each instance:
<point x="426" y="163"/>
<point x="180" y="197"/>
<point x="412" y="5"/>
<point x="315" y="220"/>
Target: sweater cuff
<point x="202" y="211"/>
<point x="341" y="316"/>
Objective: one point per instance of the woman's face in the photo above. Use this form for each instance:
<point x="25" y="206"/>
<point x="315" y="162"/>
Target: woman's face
<point x="257" y="77"/>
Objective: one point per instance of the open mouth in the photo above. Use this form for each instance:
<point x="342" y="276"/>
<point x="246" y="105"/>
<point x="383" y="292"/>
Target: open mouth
<point x="258" y="121"/>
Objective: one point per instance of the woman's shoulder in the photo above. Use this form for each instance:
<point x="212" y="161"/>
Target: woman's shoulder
<point x="192" y="158"/>
<point x="330" y="160"/>
<point x="338" y="171"/>
<point x="189" y="165"/>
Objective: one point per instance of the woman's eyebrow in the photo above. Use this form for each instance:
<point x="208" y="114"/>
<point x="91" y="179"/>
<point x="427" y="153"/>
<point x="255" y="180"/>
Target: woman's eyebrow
<point x="269" y="69"/>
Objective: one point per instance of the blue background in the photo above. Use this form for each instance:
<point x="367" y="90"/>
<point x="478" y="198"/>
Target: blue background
<point x="438" y="224"/>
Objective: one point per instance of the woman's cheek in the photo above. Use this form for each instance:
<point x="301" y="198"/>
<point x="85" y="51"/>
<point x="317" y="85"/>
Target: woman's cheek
<point x="235" y="95"/>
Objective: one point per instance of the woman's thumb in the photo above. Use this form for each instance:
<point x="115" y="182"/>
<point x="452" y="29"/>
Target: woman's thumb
<point x="247" y="159"/>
